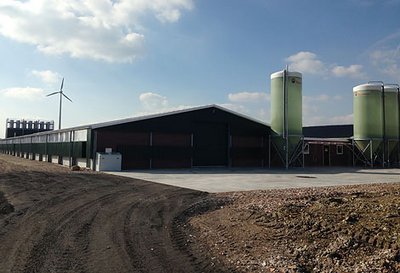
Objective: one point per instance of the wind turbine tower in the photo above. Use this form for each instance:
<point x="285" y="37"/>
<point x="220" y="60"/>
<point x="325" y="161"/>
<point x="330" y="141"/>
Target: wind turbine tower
<point x="61" y="97"/>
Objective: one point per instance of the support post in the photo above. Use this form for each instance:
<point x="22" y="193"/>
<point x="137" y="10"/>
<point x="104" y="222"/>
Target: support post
<point x="398" y="136"/>
<point x="302" y="150"/>
<point x="151" y="153"/>
<point x="371" y="154"/>
<point x="191" y="147"/>
<point x="285" y="117"/>
<point x="384" y="126"/>
<point x="269" y="151"/>
<point x="71" y="138"/>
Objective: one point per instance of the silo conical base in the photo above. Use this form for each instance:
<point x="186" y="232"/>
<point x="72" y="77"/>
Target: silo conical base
<point x="293" y="152"/>
<point x="371" y="149"/>
<point x="391" y="146"/>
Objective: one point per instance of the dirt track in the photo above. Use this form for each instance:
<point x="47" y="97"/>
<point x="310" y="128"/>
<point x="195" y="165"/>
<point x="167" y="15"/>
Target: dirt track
<point x="56" y="220"/>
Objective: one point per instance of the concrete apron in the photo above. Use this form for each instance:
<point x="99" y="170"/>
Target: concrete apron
<point x="238" y="179"/>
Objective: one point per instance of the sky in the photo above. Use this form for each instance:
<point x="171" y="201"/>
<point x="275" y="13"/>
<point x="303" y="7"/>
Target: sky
<point x="124" y="58"/>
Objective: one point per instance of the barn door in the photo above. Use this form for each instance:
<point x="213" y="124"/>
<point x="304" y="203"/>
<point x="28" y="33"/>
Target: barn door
<point x="210" y="144"/>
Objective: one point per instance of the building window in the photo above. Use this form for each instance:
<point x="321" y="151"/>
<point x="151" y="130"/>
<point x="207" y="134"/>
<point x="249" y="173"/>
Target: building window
<point x="339" y="149"/>
<point x="306" y="149"/>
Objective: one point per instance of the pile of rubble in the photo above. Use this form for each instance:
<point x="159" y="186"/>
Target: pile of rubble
<point x="332" y="229"/>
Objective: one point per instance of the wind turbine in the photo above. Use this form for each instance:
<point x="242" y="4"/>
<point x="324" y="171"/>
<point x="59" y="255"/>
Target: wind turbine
<point x="61" y="96"/>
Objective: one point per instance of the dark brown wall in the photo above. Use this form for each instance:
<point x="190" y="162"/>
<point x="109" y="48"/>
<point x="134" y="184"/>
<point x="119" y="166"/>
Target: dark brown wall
<point x="133" y="145"/>
<point x="112" y="139"/>
<point x="324" y="154"/>
<point x="172" y="139"/>
<point x="343" y="160"/>
<point x="249" y="151"/>
<point x="172" y="135"/>
<point x="171" y="150"/>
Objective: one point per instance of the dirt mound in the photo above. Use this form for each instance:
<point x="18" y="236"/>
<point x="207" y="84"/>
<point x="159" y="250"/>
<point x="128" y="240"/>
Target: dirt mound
<point x="68" y="221"/>
<point x="347" y="229"/>
<point x="5" y="206"/>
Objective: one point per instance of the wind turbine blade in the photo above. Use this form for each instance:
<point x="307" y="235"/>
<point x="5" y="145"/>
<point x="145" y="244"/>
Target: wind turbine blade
<point x="66" y="97"/>
<point x="52" y="93"/>
<point x="62" y="84"/>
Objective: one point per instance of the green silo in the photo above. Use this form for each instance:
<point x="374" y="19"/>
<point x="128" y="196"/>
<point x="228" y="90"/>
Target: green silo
<point x="391" y="117"/>
<point x="286" y="111"/>
<point x="368" y="117"/>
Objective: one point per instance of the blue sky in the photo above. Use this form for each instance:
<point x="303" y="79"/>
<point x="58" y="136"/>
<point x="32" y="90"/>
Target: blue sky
<point x="123" y="58"/>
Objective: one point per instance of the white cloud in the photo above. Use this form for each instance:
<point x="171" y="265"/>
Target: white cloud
<point x="310" y="109"/>
<point x="263" y="115"/>
<point x="169" y="15"/>
<point x="235" y="107"/>
<point x="47" y="76"/>
<point x="387" y="61"/>
<point x="345" y="119"/>
<point x="308" y="63"/>
<point x="105" y="30"/>
<point x="252" y="104"/>
<point x="320" y="98"/>
<point x="378" y="55"/>
<point x="337" y="97"/>
<point x="153" y="101"/>
<point x="248" y="97"/>
<point x="23" y="93"/>
<point x="255" y="111"/>
<point x="316" y="110"/>
<point x="326" y="120"/>
<point x="385" y="56"/>
<point x="352" y="71"/>
<point x="369" y="3"/>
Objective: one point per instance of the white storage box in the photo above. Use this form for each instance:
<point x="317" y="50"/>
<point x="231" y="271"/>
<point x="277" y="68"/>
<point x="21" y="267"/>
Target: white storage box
<point x="108" y="161"/>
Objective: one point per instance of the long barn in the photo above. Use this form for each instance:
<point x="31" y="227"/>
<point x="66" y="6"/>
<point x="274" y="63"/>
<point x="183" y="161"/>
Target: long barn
<point x="202" y="136"/>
